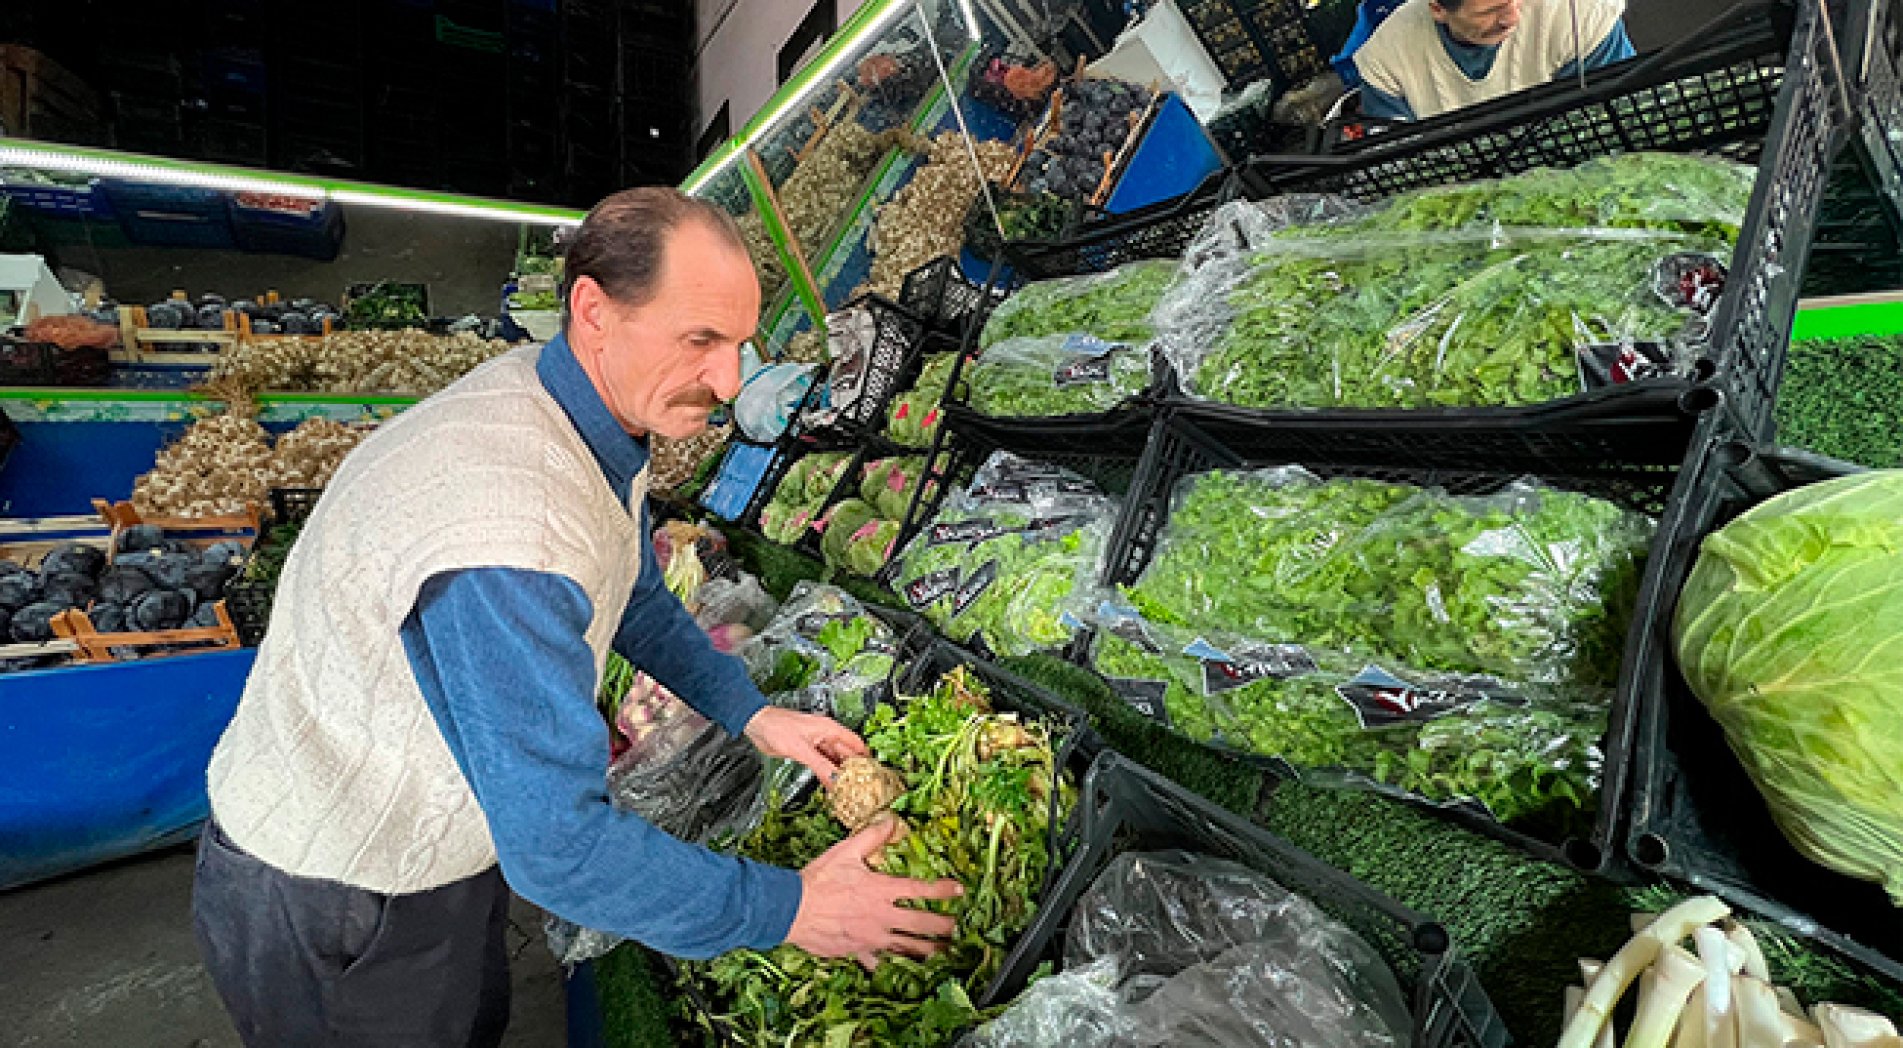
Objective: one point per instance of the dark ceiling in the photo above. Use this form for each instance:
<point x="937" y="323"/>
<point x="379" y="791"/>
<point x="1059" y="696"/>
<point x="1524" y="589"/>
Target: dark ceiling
<point x="556" y="101"/>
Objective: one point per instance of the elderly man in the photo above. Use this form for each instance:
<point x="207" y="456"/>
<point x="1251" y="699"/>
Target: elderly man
<point x="419" y="734"/>
<point x="1433" y="56"/>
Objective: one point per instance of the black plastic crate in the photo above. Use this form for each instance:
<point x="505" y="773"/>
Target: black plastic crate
<point x="939" y="294"/>
<point x="1128" y="808"/>
<point x="891" y="368"/>
<point x="24" y="363"/>
<point x="1695" y="815"/>
<point x="1160" y="230"/>
<point x="1256" y="39"/>
<point x="1609" y="430"/>
<point x="1763" y="83"/>
<point x="1180" y="447"/>
<point x="247" y="600"/>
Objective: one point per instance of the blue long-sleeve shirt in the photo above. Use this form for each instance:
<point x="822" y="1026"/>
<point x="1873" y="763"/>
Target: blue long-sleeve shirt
<point x="1477" y="61"/>
<point x="500" y="658"/>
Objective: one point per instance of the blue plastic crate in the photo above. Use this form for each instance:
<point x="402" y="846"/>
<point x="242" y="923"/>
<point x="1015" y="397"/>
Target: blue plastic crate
<point x="170" y="216"/>
<point x="60" y="201"/>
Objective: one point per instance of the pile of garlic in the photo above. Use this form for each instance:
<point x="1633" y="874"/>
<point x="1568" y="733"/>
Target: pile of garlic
<point x="766" y="258"/>
<point x="823" y="186"/>
<point x="221" y="465"/>
<point x="400" y="362"/>
<point x="226" y="462"/>
<point x="675" y="460"/>
<point x="926" y="219"/>
<point x="1720" y="996"/>
<point x="308" y="456"/>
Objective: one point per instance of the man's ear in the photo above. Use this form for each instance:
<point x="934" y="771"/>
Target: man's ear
<point x="586" y="301"/>
<point x="1435" y="9"/>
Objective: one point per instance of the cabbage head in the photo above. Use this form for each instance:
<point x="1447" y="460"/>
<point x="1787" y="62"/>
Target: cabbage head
<point x="1790" y="631"/>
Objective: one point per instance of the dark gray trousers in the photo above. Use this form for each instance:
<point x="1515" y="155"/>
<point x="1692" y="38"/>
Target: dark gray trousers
<point x="306" y="963"/>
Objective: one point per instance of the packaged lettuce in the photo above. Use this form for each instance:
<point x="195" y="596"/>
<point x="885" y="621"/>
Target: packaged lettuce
<point x="1056" y="375"/>
<point x="1114" y="306"/>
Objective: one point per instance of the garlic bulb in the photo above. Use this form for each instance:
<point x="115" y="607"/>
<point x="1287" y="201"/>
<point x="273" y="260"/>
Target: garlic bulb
<point x="925" y="220"/>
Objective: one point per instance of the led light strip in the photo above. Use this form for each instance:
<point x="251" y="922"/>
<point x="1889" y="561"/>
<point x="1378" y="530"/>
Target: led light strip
<point x="166" y="171"/>
<point x="813" y="77"/>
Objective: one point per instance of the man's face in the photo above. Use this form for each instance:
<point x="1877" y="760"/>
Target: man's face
<point x="663" y="366"/>
<point x="1484" y="23"/>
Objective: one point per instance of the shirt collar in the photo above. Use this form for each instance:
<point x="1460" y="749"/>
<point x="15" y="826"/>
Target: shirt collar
<point x="619" y="454"/>
<point x="1475" y="60"/>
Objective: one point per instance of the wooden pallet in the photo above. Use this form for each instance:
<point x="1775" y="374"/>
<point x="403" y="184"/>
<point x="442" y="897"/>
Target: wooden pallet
<point x="140" y="343"/>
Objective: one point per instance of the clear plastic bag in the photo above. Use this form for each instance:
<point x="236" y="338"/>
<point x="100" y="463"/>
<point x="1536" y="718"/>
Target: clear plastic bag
<point x="730" y="602"/>
<point x="852" y="338"/>
<point x="1530" y="584"/>
<point x="1006" y="561"/>
<point x="1056" y="375"/>
<point x="1177" y="949"/>
<point x="801" y="495"/>
<point x="888" y="484"/>
<point x="825" y="649"/>
<point x="1514" y="752"/>
<point x="1113" y="306"/>
<point x="1502" y="293"/>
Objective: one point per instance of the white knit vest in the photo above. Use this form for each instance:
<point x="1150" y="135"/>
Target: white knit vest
<point x="333" y="766"/>
<point x="1406" y="58"/>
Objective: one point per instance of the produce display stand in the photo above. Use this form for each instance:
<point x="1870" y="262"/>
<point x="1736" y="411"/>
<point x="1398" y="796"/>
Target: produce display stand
<point x="108" y="760"/>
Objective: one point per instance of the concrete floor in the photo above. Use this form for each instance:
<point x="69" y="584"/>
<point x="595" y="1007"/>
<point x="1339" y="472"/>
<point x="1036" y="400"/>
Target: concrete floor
<point x="106" y="957"/>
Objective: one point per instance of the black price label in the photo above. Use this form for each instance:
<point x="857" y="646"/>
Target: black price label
<point x="927" y="589"/>
<point x="974" y="587"/>
<point x="965" y="532"/>
<point x="1690" y="280"/>
<point x="809" y="624"/>
<point x="1380" y="698"/>
<point x="1085" y="372"/>
<point x="1618" y="363"/>
<point x="1231" y="670"/>
<point x="1144" y="696"/>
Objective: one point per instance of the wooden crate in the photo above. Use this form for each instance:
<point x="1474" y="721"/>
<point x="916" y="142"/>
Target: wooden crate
<point x="140" y="343"/>
<point x="28" y="541"/>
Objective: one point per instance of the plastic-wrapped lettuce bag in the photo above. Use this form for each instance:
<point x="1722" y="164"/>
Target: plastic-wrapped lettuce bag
<point x="855" y="537"/>
<point x="1005" y="560"/>
<point x="1481" y="316"/>
<point x="1178" y="949"/>
<point x="802" y="493"/>
<point x="1516" y="752"/>
<point x="1056" y="375"/>
<point x="1114" y="306"/>
<point x="912" y="420"/>
<point x="823" y="635"/>
<point x="888" y="484"/>
<point x="1531" y="583"/>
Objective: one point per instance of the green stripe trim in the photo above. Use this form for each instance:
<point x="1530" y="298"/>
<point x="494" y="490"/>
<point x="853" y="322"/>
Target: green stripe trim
<point x="394" y="194"/>
<point x="1848" y="317"/>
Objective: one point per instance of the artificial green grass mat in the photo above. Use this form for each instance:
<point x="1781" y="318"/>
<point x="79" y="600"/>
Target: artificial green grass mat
<point x="1840" y="398"/>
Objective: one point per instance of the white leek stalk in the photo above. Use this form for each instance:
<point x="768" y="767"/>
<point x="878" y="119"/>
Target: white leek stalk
<point x="1846" y="1027"/>
<point x="1693" y="1022"/>
<point x="1588" y="971"/>
<point x="1754" y="966"/>
<point x="1761" y="1024"/>
<point x="1663" y="992"/>
<point x="1635" y="956"/>
<point x="1718" y="1024"/>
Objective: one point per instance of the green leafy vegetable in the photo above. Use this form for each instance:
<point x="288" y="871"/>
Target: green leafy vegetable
<point x="1531" y="584"/>
<point x="1113" y="306"/>
<point x="1056" y="375"/>
<point x="1001" y="561"/>
<point x="1790" y="631"/>
<point x="1476" y="294"/>
<point x="978" y="787"/>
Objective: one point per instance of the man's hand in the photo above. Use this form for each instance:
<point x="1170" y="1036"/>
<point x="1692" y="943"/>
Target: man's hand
<point x="849" y="910"/>
<point x="820" y="743"/>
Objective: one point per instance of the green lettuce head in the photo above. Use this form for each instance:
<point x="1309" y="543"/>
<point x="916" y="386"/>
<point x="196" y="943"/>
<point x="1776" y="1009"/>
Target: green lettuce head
<point x="1790" y="631"/>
